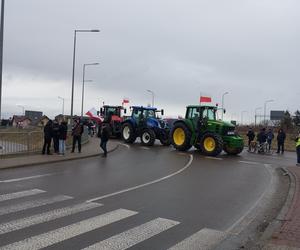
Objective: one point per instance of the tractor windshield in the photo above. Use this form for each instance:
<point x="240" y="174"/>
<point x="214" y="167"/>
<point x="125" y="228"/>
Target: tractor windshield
<point x="150" y="114"/>
<point x="113" y="111"/>
<point x="209" y="113"/>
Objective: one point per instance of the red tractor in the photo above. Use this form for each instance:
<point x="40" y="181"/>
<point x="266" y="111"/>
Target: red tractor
<point x="112" y="114"/>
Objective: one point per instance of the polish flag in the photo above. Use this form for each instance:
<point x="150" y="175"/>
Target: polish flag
<point x="205" y="99"/>
<point x="125" y="100"/>
<point x="92" y="113"/>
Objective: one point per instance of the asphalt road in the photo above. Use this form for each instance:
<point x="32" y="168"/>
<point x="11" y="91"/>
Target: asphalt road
<point x="139" y="197"/>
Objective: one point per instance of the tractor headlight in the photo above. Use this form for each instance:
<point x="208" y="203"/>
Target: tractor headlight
<point x="231" y="133"/>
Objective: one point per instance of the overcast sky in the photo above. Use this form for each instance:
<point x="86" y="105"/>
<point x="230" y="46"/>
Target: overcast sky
<point x="176" y="48"/>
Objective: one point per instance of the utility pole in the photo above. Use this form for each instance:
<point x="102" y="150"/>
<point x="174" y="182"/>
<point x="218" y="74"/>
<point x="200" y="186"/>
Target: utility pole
<point x="1" y="53"/>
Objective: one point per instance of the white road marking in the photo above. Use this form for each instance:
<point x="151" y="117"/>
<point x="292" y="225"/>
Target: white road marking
<point x="124" y="145"/>
<point x="214" y="158"/>
<point x="145" y="184"/>
<point x="11" y="196"/>
<point x="45" y="217"/>
<point x="204" y="239"/>
<point x="251" y="162"/>
<point x="70" y="231"/>
<point x="135" y="235"/>
<point x="143" y="147"/>
<point x="25" y="178"/>
<point x="31" y="204"/>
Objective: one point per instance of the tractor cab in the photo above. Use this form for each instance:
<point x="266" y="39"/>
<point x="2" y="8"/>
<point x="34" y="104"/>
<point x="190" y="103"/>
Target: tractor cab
<point x="202" y="112"/>
<point x="107" y="110"/>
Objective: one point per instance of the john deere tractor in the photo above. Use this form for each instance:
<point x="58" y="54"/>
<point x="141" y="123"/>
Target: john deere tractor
<point x="145" y="124"/>
<point x="201" y="129"/>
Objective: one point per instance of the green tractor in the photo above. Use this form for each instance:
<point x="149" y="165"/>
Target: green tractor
<point x="201" y="129"/>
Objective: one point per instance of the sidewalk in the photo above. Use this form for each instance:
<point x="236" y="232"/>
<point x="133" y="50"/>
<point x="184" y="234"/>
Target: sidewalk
<point x="287" y="237"/>
<point x="90" y="149"/>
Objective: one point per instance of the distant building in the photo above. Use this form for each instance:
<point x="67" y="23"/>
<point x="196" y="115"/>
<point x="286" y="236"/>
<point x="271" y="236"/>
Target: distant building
<point x="34" y="116"/>
<point x="21" y="121"/>
<point x="43" y="121"/>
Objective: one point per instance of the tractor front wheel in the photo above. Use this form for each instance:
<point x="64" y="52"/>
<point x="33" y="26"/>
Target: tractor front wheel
<point x="164" y="138"/>
<point x="211" y="144"/>
<point x="148" y="137"/>
<point x="181" y="137"/>
<point x="128" y="133"/>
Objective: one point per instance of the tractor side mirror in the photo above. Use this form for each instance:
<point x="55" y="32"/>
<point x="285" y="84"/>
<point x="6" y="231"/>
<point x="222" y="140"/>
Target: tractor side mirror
<point x="162" y="112"/>
<point x="224" y="110"/>
<point x="125" y="111"/>
<point x="101" y="111"/>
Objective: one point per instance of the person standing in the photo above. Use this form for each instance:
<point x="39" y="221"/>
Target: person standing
<point x="77" y="131"/>
<point x="63" y="129"/>
<point x="270" y="137"/>
<point x="47" y="137"/>
<point x="280" y="141"/>
<point x="55" y="131"/>
<point x="104" y="133"/>
<point x="298" y="149"/>
<point x="251" y="136"/>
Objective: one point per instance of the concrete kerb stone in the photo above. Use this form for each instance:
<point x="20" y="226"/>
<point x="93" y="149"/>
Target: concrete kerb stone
<point x="273" y="228"/>
<point x="62" y="159"/>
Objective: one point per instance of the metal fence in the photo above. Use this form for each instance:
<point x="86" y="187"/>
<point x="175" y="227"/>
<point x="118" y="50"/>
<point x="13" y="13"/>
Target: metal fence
<point x="14" y="143"/>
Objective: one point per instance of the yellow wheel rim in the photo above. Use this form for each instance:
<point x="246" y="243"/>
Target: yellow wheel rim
<point x="179" y="136"/>
<point x="209" y="144"/>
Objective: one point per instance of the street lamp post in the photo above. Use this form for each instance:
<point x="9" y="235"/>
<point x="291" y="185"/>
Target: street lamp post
<point x="73" y="71"/>
<point x="1" y="53"/>
<point x="242" y="113"/>
<point x="265" y="109"/>
<point x="83" y="81"/>
<point x="63" y="104"/>
<point x="223" y="103"/>
<point x="152" y="93"/>
<point x="255" y="116"/>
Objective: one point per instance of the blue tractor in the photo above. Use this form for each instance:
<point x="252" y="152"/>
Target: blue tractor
<point x="145" y="124"/>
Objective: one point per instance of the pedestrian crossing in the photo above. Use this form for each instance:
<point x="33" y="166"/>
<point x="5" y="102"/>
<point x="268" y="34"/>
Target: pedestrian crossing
<point x="79" y="226"/>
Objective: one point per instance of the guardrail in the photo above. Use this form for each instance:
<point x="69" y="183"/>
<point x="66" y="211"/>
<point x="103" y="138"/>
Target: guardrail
<point x="14" y="143"/>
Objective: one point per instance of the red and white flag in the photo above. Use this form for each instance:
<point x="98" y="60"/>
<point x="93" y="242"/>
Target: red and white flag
<point x="125" y="100"/>
<point x="92" y="113"/>
<point x="205" y="99"/>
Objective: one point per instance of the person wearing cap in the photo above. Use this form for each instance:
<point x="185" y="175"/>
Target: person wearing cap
<point x="298" y="149"/>
<point x="104" y="133"/>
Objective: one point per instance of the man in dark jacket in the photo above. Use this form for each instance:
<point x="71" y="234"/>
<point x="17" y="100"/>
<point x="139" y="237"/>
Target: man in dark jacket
<point x="262" y="137"/>
<point x="270" y="137"/>
<point x="47" y="137"/>
<point x="55" y="134"/>
<point x="104" y="136"/>
<point x="280" y="141"/>
<point x="251" y="136"/>
<point x="77" y="131"/>
<point x="63" y="129"/>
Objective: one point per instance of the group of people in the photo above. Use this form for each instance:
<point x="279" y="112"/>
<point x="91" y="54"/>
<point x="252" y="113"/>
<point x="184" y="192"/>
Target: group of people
<point x="56" y="132"/>
<point x="267" y="137"/>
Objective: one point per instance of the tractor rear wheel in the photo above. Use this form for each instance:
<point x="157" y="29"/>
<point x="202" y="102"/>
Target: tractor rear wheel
<point x="128" y="133"/>
<point x="181" y="137"/>
<point x="148" y="137"/>
<point x="232" y="151"/>
<point x="211" y="144"/>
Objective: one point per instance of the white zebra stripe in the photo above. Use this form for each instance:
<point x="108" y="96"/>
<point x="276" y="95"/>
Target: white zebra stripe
<point x="70" y="231"/>
<point x="31" y="204"/>
<point x="11" y="196"/>
<point x="202" y="240"/>
<point x="45" y="217"/>
<point x="135" y="235"/>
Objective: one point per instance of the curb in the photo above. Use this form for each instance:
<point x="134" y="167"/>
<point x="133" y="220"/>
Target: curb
<point x="59" y="160"/>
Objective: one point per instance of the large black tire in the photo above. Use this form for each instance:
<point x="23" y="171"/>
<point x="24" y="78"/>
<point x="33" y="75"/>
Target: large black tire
<point x="232" y="151"/>
<point x="128" y="134"/>
<point x="211" y="144"/>
<point x="148" y="137"/>
<point x="165" y="138"/>
<point x="181" y="137"/>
